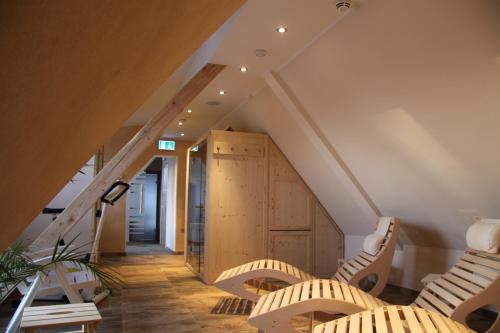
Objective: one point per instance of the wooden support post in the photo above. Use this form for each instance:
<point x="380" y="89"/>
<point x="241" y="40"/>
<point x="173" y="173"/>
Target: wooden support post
<point x="73" y="295"/>
<point x="125" y="157"/>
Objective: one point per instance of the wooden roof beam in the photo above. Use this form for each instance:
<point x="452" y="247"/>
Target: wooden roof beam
<point x="125" y="157"/>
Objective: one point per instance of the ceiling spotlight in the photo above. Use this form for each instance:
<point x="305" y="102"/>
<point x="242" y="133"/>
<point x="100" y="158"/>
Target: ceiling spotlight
<point x="182" y="134"/>
<point x="180" y="123"/>
<point x="243" y="69"/>
<point x="189" y="110"/>
<point x="222" y="92"/>
<point x="281" y="30"/>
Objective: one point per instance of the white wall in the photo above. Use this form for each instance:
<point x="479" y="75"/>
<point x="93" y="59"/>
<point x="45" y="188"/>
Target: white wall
<point x="408" y="94"/>
<point x="62" y="200"/>
<point x="169" y="180"/>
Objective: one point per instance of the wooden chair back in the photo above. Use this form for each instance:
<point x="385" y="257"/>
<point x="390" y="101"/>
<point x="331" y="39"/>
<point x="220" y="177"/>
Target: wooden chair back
<point x="365" y="264"/>
<point x="473" y="282"/>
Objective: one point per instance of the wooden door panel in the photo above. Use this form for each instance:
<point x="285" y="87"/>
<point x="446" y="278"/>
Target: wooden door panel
<point x="290" y="199"/>
<point x="293" y="247"/>
<point x="327" y="243"/>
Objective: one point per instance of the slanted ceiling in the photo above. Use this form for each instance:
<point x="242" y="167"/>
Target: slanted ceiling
<point x="72" y="73"/>
<point x="408" y="94"/>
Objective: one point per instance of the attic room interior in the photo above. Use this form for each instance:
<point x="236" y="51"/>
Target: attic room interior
<point x="325" y="166"/>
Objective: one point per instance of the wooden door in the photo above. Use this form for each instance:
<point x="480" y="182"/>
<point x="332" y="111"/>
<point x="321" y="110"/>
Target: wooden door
<point x="293" y="247"/>
<point x="328" y="243"/>
<point x="290" y="199"/>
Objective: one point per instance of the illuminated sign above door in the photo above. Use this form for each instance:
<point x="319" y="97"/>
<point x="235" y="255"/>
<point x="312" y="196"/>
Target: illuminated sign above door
<point x="166" y="145"/>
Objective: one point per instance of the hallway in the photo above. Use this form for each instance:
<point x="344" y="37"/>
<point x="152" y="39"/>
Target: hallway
<point x="162" y="295"/>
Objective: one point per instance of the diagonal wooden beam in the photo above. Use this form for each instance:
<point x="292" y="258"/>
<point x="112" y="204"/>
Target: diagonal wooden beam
<point x="122" y="160"/>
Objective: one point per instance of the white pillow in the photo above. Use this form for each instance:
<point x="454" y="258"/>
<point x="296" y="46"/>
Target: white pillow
<point x="484" y="236"/>
<point x="372" y="243"/>
<point x="383" y="225"/>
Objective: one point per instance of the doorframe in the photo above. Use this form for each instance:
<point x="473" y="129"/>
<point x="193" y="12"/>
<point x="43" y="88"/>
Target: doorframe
<point x="162" y="232"/>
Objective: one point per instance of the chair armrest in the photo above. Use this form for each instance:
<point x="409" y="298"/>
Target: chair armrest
<point x="430" y="278"/>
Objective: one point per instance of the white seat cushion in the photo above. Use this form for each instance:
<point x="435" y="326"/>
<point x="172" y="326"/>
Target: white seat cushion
<point x="484" y="236"/>
<point x="372" y="243"/>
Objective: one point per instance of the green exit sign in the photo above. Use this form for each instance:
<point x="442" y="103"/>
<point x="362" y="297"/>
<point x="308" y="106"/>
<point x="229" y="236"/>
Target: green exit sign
<point x="166" y="145"/>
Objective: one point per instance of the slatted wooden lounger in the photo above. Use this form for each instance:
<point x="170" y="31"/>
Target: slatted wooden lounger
<point x="393" y="318"/>
<point x="471" y="283"/>
<point x="351" y="272"/>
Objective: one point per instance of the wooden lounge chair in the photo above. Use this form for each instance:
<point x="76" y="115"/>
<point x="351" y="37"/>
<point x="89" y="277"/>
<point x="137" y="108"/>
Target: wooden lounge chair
<point x="351" y="272"/>
<point x="473" y="282"/>
<point x="393" y="318"/>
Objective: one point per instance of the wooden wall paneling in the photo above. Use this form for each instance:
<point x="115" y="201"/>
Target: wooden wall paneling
<point x="328" y="243"/>
<point x="293" y="247"/>
<point x="290" y="199"/>
<point x="72" y="74"/>
<point x="236" y="225"/>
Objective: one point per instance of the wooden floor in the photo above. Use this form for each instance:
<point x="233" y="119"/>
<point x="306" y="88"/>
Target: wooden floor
<point x="161" y="295"/>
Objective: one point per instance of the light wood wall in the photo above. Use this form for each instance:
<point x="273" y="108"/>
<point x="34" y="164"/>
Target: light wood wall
<point x="257" y="206"/>
<point x="301" y="232"/>
<point x="113" y="236"/>
<point x="72" y="73"/>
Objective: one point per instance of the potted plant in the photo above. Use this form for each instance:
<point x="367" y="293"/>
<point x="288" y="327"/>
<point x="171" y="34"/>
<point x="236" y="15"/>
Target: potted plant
<point x="16" y="265"/>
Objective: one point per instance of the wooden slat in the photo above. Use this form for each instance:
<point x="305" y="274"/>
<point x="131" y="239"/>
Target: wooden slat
<point x="347" y="292"/>
<point x="453" y="288"/>
<point x="288" y="296"/>
<point x="305" y="290"/>
<point x="355" y="324"/>
<point x="440" y="325"/>
<point x="342" y="325"/>
<point x="327" y="292"/>
<point x="367" y="322"/>
<point x="296" y="293"/>
<point x="436" y="303"/>
<point x="396" y="324"/>
<point x="472" y="288"/>
<point x="259" y="305"/>
<point x="380" y="322"/>
<point x="444" y="294"/>
<point x="277" y="299"/>
<point x="367" y="257"/>
<point x="470" y="277"/>
<point x="316" y="291"/>
<point x="268" y="302"/>
<point x="425" y="321"/>
<point x="356" y="265"/>
<point x="362" y="261"/>
<point x="477" y="269"/>
<point x="357" y="297"/>
<point x="337" y="292"/>
<point x="411" y="319"/>
<point x="482" y="261"/>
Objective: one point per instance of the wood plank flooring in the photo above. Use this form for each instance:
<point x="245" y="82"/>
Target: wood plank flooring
<point x="162" y="295"/>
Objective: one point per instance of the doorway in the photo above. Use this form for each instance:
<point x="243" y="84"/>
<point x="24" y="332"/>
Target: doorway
<point x="150" y="208"/>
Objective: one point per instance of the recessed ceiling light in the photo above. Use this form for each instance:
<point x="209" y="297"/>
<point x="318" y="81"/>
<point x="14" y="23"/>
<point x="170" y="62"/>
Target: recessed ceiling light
<point x="222" y="92"/>
<point x="243" y="69"/>
<point x="189" y="110"/>
<point x="260" y="53"/>
<point x="180" y="123"/>
<point x="182" y="134"/>
<point x="281" y="30"/>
